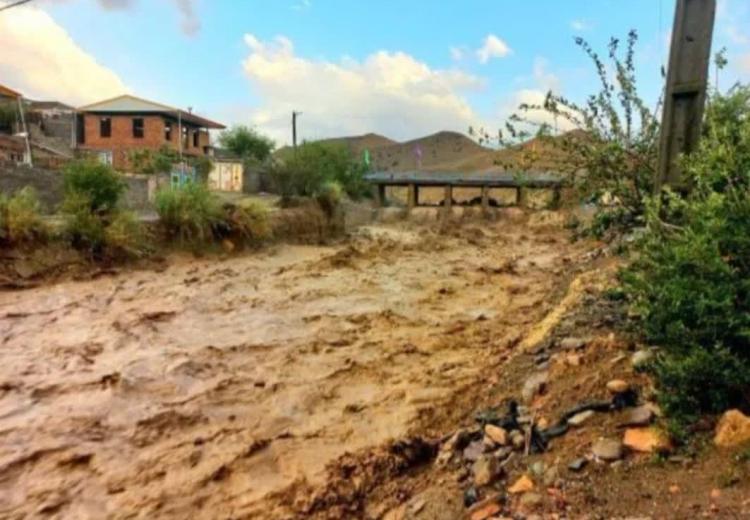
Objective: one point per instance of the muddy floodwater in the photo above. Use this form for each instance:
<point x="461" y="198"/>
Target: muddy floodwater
<point x="222" y="388"/>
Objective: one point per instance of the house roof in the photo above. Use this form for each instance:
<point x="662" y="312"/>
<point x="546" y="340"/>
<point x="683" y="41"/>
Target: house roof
<point x="9" y="92"/>
<point x="46" y="105"/>
<point x="133" y="104"/>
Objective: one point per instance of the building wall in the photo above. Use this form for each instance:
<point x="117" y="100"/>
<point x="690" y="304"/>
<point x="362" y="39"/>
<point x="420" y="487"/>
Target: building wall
<point x="122" y="143"/>
<point x="226" y="176"/>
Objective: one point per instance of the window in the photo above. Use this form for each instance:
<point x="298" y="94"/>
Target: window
<point x="168" y="130"/>
<point x="184" y="137"/>
<point x="138" y="127"/>
<point x="196" y="138"/>
<point x="105" y="127"/>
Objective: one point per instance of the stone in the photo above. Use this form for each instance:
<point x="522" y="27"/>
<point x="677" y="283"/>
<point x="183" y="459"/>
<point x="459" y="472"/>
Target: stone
<point x="530" y="500"/>
<point x="640" y="416"/>
<point x="646" y="440"/>
<point x="580" y="418"/>
<point x="534" y="385"/>
<point x="618" y="386"/>
<point x="537" y="468"/>
<point x="733" y="429"/>
<point x="498" y="435"/>
<point x="517" y="439"/>
<point x="572" y="343"/>
<point x="473" y="451"/>
<point x="522" y="485"/>
<point x="641" y="358"/>
<point x="715" y="494"/>
<point x="227" y="245"/>
<point x="607" y="449"/>
<point x="486" y="508"/>
<point x="471" y="497"/>
<point x="674" y="489"/>
<point x="578" y="464"/>
<point x="542" y="423"/>
<point x="550" y="476"/>
<point x="486" y="470"/>
<point x="573" y="360"/>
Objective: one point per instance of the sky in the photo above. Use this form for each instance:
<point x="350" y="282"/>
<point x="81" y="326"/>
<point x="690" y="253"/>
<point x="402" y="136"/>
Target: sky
<point x="401" y="68"/>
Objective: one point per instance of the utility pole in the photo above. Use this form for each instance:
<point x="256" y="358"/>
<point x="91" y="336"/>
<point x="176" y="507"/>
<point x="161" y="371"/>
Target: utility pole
<point x="28" y="160"/>
<point x="687" y="79"/>
<point x="294" y="127"/>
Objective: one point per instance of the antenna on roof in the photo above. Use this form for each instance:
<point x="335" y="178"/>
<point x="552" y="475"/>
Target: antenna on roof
<point x="190" y="110"/>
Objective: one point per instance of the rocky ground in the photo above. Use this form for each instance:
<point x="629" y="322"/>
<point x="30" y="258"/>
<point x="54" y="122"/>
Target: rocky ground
<point x="471" y="370"/>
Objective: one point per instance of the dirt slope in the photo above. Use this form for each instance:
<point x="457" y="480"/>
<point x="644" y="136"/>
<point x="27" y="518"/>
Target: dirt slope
<point x="217" y="390"/>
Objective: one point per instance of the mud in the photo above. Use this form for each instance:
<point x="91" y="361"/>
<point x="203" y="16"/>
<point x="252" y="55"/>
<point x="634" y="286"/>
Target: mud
<point x="225" y="389"/>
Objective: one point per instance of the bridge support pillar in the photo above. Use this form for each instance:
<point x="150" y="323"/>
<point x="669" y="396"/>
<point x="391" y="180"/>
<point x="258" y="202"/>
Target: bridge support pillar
<point x="380" y="195"/>
<point x="448" y="198"/>
<point x="485" y="199"/>
<point x="412" y="197"/>
<point x="519" y="196"/>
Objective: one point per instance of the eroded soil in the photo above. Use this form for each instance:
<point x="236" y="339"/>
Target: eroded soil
<point x="223" y="389"/>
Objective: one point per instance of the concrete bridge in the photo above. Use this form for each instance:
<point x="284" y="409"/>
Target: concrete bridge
<point x="415" y="180"/>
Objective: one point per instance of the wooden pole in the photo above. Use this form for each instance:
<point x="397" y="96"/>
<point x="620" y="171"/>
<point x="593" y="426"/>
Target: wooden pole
<point x="687" y="79"/>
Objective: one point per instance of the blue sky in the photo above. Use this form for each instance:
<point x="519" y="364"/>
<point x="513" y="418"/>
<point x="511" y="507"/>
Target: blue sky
<point x="401" y="68"/>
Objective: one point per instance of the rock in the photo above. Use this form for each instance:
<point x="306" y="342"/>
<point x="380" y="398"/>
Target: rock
<point x="522" y="485"/>
<point x="486" y="470"/>
<point x="542" y="423"/>
<point x="578" y="464"/>
<point x="535" y="384"/>
<point x="471" y="497"/>
<point x="573" y="360"/>
<point x="646" y="440"/>
<point x="607" y="449"/>
<point x="580" y="418"/>
<point x="641" y="358"/>
<point x="640" y="416"/>
<point x="485" y="509"/>
<point x="537" y="468"/>
<point x="227" y="245"/>
<point x="618" y="386"/>
<point x="498" y="435"/>
<point x="715" y="494"/>
<point x="517" y="439"/>
<point x="530" y="500"/>
<point x="572" y="343"/>
<point x="473" y="451"/>
<point x="674" y="489"/>
<point x="733" y="429"/>
<point x="550" y="476"/>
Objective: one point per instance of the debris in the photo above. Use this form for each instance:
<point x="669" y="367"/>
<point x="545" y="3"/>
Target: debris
<point x="471" y="497"/>
<point x="517" y="439"/>
<point x="537" y="468"/>
<point x="573" y="360"/>
<point x="530" y="500"/>
<point x="618" y="386"/>
<point x="674" y="489"/>
<point x="572" y="344"/>
<point x="522" y="485"/>
<point x="607" y="449"/>
<point x="473" y="451"/>
<point x="640" y="416"/>
<point x="498" y="435"/>
<point x="486" y="508"/>
<point x="578" y="464"/>
<point x="733" y="429"/>
<point x="715" y="494"/>
<point x="580" y="418"/>
<point x="646" y="440"/>
<point x="486" y="470"/>
<point x="534" y="385"/>
<point x="641" y="358"/>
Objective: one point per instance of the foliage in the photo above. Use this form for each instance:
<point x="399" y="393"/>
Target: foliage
<point x="149" y="161"/>
<point x="690" y="281"/>
<point x="203" y="166"/>
<point x="20" y="218"/>
<point x="125" y="235"/>
<point x="95" y="182"/>
<point x="610" y="155"/>
<point x="312" y="168"/>
<point x="329" y="196"/>
<point x="248" y="222"/>
<point x="188" y="213"/>
<point x="247" y="143"/>
<point x="8" y="116"/>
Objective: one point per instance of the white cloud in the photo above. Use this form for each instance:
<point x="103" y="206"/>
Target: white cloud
<point x="457" y="53"/>
<point x="388" y="92"/>
<point x="41" y="60"/>
<point x="580" y="25"/>
<point x="493" y="47"/>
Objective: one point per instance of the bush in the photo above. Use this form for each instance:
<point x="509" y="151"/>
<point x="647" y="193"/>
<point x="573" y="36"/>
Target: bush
<point x="125" y="236"/>
<point x="95" y="182"/>
<point x="248" y="222"/>
<point x="690" y="280"/>
<point x="83" y="227"/>
<point x="188" y="213"/>
<point x="20" y="218"/>
<point x="247" y="143"/>
<point x="310" y="170"/>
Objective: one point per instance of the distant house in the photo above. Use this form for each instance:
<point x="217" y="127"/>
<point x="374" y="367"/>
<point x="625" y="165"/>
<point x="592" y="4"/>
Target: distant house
<point x="227" y="173"/>
<point x="8" y="94"/>
<point x="12" y="149"/>
<point x="115" y="128"/>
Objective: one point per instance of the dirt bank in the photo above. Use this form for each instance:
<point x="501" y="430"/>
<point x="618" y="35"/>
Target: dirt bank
<point x="222" y="389"/>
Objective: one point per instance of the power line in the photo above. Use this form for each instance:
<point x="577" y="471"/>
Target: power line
<point x="14" y="4"/>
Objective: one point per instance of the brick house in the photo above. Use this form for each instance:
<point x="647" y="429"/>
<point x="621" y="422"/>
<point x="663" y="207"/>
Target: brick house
<point x="115" y="128"/>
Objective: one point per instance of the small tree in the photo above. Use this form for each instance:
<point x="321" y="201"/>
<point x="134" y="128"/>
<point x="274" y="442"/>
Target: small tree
<point x="247" y="143"/>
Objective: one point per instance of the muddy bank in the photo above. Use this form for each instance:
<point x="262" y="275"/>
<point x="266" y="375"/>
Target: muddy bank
<point x="224" y="388"/>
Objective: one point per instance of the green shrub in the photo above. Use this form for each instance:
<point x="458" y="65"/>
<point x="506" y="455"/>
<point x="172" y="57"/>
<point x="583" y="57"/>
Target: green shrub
<point x="189" y="213"/>
<point x="20" y="218"/>
<point x="125" y="236"/>
<point x="83" y="227"/>
<point x="248" y="222"/>
<point x="308" y="171"/>
<point x="98" y="183"/>
<point x="329" y="196"/>
<point x="246" y="143"/>
<point x="690" y="279"/>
